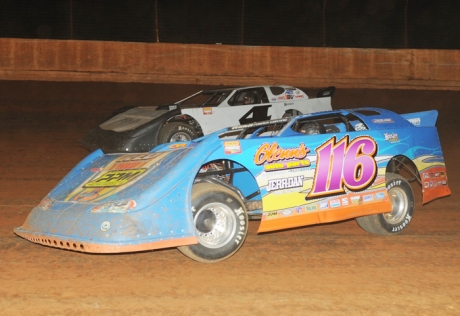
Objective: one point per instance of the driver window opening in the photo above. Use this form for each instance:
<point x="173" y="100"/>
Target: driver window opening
<point x="248" y="97"/>
<point x="328" y="125"/>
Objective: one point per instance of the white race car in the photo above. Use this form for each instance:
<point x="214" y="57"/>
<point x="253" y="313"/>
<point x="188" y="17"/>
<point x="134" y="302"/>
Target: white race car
<point x="140" y="129"/>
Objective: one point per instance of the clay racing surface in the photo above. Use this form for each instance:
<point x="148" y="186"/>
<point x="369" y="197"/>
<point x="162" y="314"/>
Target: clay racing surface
<point x="334" y="269"/>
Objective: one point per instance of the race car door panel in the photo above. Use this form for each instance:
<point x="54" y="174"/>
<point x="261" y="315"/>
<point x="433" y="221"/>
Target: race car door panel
<point x="215" y="118"/>
<point x="318" y="178"/>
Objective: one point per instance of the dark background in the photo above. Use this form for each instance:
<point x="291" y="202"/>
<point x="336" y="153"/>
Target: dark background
<point x="309" y="23"/>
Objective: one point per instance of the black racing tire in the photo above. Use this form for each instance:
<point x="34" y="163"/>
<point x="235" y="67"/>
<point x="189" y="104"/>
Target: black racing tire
<point x="291" y="113"/>
<point x="221" y="223"/>
<point x="176" y="132"/>
<point x="402" y="200"/>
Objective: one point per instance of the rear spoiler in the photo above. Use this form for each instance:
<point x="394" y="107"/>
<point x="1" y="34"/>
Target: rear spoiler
<point x="422" y="119"/>
<point x="326" y="92"/>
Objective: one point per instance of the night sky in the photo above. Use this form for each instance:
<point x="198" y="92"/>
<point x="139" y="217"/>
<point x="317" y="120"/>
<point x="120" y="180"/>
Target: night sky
<point x="309" y="23"/>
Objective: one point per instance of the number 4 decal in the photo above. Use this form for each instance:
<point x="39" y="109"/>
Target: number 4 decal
<point x="342" y="164"/>
<point x="259" y="113"/>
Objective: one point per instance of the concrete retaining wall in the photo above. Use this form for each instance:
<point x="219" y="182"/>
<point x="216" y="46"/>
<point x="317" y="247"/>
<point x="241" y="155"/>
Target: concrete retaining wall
<point x="54" y="60"/>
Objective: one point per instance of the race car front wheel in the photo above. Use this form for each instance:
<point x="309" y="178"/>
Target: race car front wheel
<point x="402" y="201"/>
<point x="221" y="223"/>
<point x="176" y="132"/>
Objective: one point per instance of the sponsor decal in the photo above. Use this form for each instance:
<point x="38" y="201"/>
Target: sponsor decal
<point x="282" y="165"/>
<point x="360" y="127"/>
<point x="137" y="157"/>
<point x="88" y="195"/>
<point x="123" y="170"/>
<point x="271" y="215"/>
<point x="286" y="212"/>
<point x="344" y="201"/>
<point x="288" y="103"/>
<point x="285" y="183"/>
<point x="175" y="146"/>
<point x="128" y="165"/>
<point x="415" y="121"/>
<point x="356" y="199"/>
<point x="426" y="185"/>
<point x="233" y="147"/>
<point x="299" y="96"/>
<point x="268" y="153"/>
<point x="313" y="207"/>
<point x="172" y="107"/>
<point x="379" y="196"/>
<point x="114" y="178"/>
<point x="207" y="111"/>
<point x="368" y="198"/>
<point x="281" y="98"/>
<point x="383" y="121"/>
<point x="95" y="170"/>
<point x="334" y="203"/>
<point x="425" y="175"/>
<point x="323" y="205"/>
<point x="273" y="99"/>
<point x="391" y="137"/>
<point x="300" y="209"/>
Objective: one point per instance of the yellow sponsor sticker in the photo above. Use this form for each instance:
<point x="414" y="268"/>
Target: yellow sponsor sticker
<point x="174" y="146"/>
<point x="114" y="178"/>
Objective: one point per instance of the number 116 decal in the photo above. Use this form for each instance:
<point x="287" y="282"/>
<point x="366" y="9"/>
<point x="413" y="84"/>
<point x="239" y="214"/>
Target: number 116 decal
<point x="344" y="164"/>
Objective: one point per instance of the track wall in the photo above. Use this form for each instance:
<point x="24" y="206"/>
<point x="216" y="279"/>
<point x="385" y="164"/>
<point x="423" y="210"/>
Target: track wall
<point x="68" y="60"/>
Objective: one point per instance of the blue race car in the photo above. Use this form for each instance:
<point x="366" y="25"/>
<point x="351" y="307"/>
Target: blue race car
<point x="199" y="195"/>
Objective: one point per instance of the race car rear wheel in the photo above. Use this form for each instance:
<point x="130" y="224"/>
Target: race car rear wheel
<point x="402" y="200"/>
<point x="221" y="223"/>
<point x="176" y="132"/>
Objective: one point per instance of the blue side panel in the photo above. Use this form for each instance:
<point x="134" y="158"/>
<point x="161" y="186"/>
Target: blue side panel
<point x="427" y="141"/>
<point x="422" y="119"/>
<point x="161" y="199"/>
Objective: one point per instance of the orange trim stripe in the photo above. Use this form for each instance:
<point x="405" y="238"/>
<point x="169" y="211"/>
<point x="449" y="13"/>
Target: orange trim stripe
<point x="328" y="216"/>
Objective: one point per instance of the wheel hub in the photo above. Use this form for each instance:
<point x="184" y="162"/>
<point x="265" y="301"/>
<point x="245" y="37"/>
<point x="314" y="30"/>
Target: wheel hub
<point x="399" y="205"/>
<point x="206" y="221"/>
<point x="180" y="137"/>
<point x="215" y="225"/>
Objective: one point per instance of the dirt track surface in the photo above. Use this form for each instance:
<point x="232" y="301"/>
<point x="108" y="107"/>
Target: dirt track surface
<point x="334" y="269"/>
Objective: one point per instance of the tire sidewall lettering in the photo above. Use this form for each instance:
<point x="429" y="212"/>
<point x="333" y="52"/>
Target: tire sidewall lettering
<point x="239" y="230"/>
<point x="183" y="128"/>
<point x="405" y="221"/>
